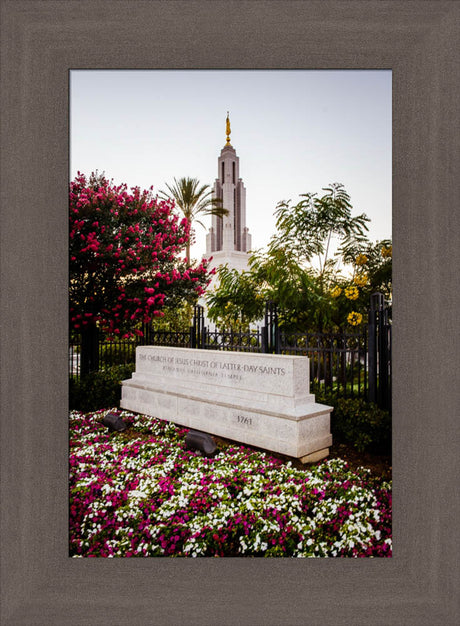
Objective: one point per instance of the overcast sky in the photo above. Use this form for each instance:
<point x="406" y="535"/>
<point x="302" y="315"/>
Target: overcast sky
<point x="295" y="131"/>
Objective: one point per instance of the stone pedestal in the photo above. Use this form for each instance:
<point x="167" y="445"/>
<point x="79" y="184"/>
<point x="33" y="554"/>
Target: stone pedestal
<point x="258" y="399"/>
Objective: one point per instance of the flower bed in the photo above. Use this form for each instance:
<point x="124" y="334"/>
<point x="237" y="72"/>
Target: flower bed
<point x="141" y="493"/>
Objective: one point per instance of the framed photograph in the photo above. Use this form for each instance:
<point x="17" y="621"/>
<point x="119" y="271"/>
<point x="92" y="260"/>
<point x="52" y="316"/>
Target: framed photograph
<point x="293" y="197"/>
<point x="43" y="42"/>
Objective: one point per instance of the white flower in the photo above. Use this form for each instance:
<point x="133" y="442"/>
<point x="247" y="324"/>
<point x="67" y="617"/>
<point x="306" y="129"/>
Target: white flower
<point x="137" y="494"/>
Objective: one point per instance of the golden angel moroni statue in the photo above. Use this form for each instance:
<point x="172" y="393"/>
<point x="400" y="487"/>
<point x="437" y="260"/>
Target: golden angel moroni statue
<point x="228" y="130"/>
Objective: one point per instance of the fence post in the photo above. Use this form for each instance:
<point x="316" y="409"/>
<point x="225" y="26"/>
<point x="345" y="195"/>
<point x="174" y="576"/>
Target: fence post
<point x="372" y="350"/>
<point x="276" y="331"/>
<point x="384" y="361"/>
<point x="145" y="339"/>
<point x="197" y="330"/>
<point x="89" y="349"/>
<point x="202" y="342"/>
<point x="193" y="331"/>
<point x="379" y="352"/>
<point x="270" y="331"/>
<point x="264" y="332"/>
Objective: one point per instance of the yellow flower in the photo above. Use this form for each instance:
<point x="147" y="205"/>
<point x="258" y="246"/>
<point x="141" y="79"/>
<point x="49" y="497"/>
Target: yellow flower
<point x="354" y="318"/>
<point x="351" y="293"/>
<point x="387" y="251"/>
<point x="335" y="293"/>
<point x="360" y="280"/>
<point x="361" y="259"/>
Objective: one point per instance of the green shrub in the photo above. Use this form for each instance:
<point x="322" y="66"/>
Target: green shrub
<point x="98" y="390"/>
<point x="359" y="423"/>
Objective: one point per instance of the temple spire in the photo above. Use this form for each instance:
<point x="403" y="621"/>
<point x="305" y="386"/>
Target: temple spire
<point x="228" y="241"/>
<point x="228" y="234"/>
<point x="228" y="130"/>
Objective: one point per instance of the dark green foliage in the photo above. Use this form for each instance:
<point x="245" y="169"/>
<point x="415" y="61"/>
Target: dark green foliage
<point x="359" y="423"/>
<point x="98" y="390"/>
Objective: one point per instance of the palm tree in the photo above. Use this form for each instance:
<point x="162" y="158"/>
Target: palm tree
<point x="194" y="200"/>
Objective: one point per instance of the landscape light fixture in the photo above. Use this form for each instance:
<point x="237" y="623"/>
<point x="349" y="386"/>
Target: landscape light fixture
<point x="114" y="422"/>
<point x="196" y="440"/>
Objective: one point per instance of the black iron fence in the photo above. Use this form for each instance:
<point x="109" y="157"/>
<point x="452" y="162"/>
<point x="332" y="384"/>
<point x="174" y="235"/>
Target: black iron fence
<point x="345" y="365"/>
<point x="338" y="362"/>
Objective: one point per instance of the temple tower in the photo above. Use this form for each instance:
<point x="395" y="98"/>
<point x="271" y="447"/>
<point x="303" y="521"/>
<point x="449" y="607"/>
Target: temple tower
<point x="228" y="240"/>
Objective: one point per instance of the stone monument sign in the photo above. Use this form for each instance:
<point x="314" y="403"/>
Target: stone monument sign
<point x="258" y="399"/>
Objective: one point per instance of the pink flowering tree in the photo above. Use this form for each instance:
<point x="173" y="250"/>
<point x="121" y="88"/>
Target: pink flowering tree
<point x="125" y="264"/>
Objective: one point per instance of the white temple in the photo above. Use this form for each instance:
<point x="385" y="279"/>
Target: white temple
<point x="228" y="240"/>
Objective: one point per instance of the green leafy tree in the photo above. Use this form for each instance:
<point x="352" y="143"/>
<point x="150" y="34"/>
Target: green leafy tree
<point x="276" y="276"/>
<point x="238" y="299"/>
<point x="194" y="201"/>
<point x="308" y="228"/>
<point x="310" y="296"/>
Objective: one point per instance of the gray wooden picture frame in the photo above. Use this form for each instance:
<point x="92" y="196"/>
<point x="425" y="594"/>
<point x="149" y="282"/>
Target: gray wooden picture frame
<point x="40" y="43"/>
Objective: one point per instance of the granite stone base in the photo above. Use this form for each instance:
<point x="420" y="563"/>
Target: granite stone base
<point x="257" y="399"/>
